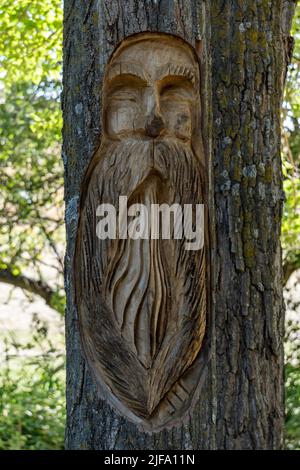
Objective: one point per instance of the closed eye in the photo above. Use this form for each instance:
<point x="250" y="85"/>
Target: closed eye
<point x="126" y="87"/>
<point x="176" y="94"/>
<point x="132" y="99"/>
<point x="124" y="94"/>
<point x="176" y="89"/>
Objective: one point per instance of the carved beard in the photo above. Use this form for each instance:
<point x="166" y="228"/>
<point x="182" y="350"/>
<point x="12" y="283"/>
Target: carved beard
<point x="141" y="302"/>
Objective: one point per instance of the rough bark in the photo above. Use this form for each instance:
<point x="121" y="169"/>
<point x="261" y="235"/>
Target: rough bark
<point x="243" y="51"/>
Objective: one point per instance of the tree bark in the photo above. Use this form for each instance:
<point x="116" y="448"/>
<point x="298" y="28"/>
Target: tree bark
<point x="243" y="51"/>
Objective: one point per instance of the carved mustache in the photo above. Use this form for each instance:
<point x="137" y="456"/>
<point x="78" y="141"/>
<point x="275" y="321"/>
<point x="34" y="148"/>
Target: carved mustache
<point x="128" y="164"/>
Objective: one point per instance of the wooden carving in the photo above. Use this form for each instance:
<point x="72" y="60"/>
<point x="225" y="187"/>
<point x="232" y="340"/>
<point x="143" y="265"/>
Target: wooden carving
<point x="142" y="303"/>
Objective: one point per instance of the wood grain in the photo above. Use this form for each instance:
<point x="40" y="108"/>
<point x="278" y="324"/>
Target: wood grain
<point x="142" y="303"/>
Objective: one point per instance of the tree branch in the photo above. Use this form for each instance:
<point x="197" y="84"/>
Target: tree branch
<point x="288" y="268"/>
<point x="30" y="285"/>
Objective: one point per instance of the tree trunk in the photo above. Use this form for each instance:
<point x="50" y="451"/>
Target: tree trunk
<point x="243" y="50"/>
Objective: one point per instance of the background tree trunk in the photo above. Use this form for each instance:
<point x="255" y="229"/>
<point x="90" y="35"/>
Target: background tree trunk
<point x="244" y="48"/>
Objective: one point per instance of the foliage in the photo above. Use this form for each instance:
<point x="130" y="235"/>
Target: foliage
<point x="291" y="236"/>
<point x="32" y="388"/>
<point x="31" y="181"/>
<point x="292" y="369"/>
<point x="292" y="397"/>
<point x="31" y="213"/>
<point x="291" y="154"/>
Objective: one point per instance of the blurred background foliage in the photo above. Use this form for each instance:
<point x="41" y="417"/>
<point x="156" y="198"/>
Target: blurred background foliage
<point x="291" y="158"/>
<point x="32" y="392"/>
<point x="32" y="396"/>
<point x="31" y="177"/>
<point x="291" y="239"/>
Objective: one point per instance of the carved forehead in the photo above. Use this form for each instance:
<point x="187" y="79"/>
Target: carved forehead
<point x="154" y="56"/>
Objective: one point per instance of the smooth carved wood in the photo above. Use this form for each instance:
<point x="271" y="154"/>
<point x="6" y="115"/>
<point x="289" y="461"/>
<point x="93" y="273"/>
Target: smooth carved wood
<point x="142" y="303"/>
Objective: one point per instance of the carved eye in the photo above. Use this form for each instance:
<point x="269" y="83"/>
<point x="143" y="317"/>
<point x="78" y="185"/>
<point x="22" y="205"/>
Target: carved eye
<point x="126" y="88"/>
<point x="124" y="96"/>
<point x="176" y="89"/>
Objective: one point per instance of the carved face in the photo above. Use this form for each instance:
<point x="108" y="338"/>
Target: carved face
<point x="151" y="91"/>
<point x="142" y="303"/>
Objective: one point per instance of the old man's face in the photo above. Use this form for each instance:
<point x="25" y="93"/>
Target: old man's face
<point x="151" y="92"/>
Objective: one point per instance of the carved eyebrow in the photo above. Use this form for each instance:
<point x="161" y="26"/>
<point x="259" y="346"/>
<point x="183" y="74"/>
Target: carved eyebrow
<point x="179" y="70"/>
<point x="127" y="68"/>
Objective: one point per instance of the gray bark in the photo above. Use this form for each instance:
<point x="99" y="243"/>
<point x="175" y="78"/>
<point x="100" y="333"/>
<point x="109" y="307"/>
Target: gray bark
<point x="243" y="51"/>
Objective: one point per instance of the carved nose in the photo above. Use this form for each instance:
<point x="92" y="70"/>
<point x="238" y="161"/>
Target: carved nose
<point x="154" y="125"/>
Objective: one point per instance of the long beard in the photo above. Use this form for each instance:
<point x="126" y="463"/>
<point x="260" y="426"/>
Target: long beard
<point x="152" y="291"/>
<point x="136" y="285"/>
